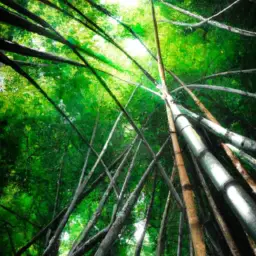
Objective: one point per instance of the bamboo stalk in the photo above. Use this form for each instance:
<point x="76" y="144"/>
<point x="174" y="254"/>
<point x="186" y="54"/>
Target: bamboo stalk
<point x="89" y="150"/>
<point x="227" y="73"/>
<point x="180" y="236"/>
<point x="216" y="88"/>
<point x="234" y="138"/>
<point x="83" y="247"/>
<point x="188" y="195"/>
<point x="82" y="186"/>
<point x="130" y="202"/>
<point x="26" y="51"/>
<point x="102" y="82"/>
<point x="62" y="212"/>
<point x="229" y="153"/>
<point x="244" y="156"/>
<point x="221" y="222"/>
<point x="148" y="216"/>
<point x="84" y="234"/>
<point x="164" y="220"/>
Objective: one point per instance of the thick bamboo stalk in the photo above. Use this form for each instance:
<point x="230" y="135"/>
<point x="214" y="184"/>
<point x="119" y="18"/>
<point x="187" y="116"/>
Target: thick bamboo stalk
<point x="234" y="194"/>
<point x="122" y="216"/>
<point x="244" y="156"/>
<point x="229" y="153"/>
<point x="148" y="216"/>
<point x="234" y="138"/>
<point x="216" y="88"/>
<point x="188" y="195"/>
<point x="211" y="22"/>
<point x="240" y="202"/>
<point x="221" y="222"/>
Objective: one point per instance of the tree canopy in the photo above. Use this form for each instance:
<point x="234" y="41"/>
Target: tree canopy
<point x="85" y="137"/>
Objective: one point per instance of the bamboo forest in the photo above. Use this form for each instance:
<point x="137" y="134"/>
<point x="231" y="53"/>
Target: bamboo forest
<point x="128" y="127"/>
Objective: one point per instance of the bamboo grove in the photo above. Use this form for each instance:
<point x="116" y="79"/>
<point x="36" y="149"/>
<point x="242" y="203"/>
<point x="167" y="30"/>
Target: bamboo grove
<point x="127" y="127"/>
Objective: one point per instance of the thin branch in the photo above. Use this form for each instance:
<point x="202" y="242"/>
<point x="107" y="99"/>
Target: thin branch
<point x="60" y="214"/>
<point x="211" y="22"/>
<point x="112" y="41"/>
<point x="15" y="213"/>
<point x="216" y="88"/>
<point x="89" y="150"/>
<point x="122" y="216"/>
<point x="206" y="20"/>
<point x="227" y="73"/>
<point x="164" y="220"/>
<point x="83" y="236"/>
<point x="180" y="236"/>
<point x="148" y="216"/>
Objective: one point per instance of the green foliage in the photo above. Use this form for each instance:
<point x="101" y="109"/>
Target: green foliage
<point x="36" y="142"/>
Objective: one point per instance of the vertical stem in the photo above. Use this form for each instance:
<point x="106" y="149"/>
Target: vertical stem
<point x="180" y="238"/>
<point x="148" y="215"/>
<point x="164" y="221"/>
<point x="188" y="195"/>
